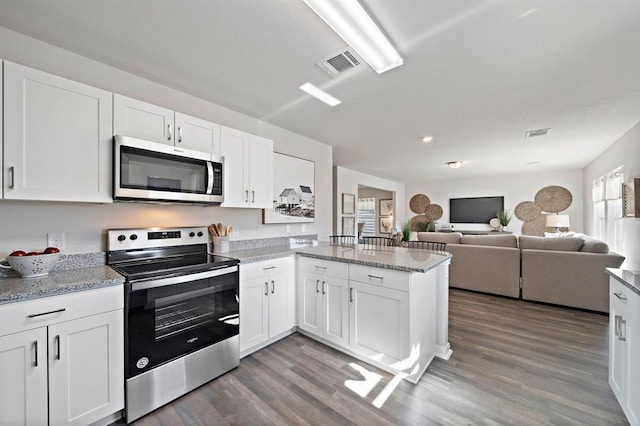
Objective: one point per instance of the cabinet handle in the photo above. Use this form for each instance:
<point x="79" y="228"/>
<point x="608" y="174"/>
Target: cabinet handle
<point x="12" y="172"/>
<point x="253" y="196"/>
<point x="616" y="326"/>
<point x="376" y="277"/>
<point x="266" y="288"/>
<point x="317" y="283"/>
<point x="323" y="290"/>
<point x="46" y="313"/>
<point x="57" y="339"/>
<point x="621" y="296"/>
<point x="273" y="287"/>
<point x="623" y="330"/>
<point x="321" y="267"/>
<point x="179" y="134"/>
<point x="246" y="196"/>
<point x="351" y="294"/>
<point x="170" y="131"/>
<point x="268" y="268"/>
<point x="35" y="350"/>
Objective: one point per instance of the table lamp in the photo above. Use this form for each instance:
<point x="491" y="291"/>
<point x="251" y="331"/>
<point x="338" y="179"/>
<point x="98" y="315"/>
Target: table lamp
<point x="558" y="221"/>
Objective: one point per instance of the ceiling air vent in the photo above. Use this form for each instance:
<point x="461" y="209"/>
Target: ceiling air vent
<point x="339" y="62"/>
<point x="535" y="133"/>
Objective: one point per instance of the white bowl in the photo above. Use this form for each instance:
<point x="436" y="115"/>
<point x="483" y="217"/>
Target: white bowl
<point x="33" y="266"/>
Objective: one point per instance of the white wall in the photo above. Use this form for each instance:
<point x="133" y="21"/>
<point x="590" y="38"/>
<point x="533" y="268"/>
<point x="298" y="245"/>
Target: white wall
<point x="514" y="188"/>
<point x="23" y="225"/>
<point x="347" y="181"/>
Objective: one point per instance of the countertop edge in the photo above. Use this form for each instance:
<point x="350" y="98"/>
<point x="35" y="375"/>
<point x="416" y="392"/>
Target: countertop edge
<point x="619" y="274"/>
<point x="427" y="268"/>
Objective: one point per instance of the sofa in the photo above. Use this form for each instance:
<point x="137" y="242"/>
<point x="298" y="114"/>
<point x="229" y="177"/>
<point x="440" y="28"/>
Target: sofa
<point x="567" y="271"/>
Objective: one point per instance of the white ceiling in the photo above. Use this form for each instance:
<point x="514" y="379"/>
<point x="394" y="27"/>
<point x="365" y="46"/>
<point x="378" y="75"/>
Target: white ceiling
<point x="477" y="74"/>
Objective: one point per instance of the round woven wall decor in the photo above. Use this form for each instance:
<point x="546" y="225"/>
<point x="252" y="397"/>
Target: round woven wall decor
<point x="418" y="203"/>
<point x="527" y="211"/>
<point x="553" y="199"/>
<point x="433" y="212"/>
<point x="417" y="220"/>
<point x="535" y="227"/>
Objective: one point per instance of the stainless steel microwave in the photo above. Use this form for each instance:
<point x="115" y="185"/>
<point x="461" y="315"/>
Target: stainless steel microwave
<point x="150" y="171"/>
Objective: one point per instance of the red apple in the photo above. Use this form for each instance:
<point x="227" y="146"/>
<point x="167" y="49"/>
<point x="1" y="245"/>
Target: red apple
<point x="33" y="253"/>
<point x="51" y="250"/>
<point x="18" y="253"/>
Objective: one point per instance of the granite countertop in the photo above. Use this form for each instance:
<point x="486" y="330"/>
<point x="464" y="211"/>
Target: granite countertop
<point x="17" y="289"/>
<point x="269" y="252"/>
<point x="398" y="258"/>
<point x="630" y="279"/>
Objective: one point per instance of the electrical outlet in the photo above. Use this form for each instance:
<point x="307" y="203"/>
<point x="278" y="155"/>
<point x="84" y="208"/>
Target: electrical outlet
<point x="288" y="228"/>
<point x="304" y="228"/>
<point x="55" y="240"/>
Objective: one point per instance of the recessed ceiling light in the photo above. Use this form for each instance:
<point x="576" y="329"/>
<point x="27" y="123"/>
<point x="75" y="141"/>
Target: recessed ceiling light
<point x="320" y="94"/>
<point x="351" y="22"/>
<point x="536" y="133"/>
<point x="454" y="164"/>
<point x="427" y="139"/>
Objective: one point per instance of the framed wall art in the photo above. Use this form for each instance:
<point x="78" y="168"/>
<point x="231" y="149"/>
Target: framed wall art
<point x="348" y="225"/>
<point x="293" y="191"/>
<point x="386" y="208"/>
<point x="348" y="203"/>
<point x="386" y="224"/>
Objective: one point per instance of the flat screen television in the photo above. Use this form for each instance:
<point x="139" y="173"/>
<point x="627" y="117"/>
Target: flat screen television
<point x="474" y="210"/>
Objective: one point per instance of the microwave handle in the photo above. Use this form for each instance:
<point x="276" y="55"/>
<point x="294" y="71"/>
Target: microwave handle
<point x="210" y="175"/>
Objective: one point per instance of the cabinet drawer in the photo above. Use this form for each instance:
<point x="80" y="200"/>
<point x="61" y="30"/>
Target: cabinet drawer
<point x="21" y="316"/>
<point x="323" y="267"/>
<point x="389" y="278"/>
<point x="266" y="267"/>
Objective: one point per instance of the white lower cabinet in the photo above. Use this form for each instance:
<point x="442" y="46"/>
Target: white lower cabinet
<point x="267" y="303"/>
<point x="66" y="368"/>
<point x="624" y="348"/>
<point x="324" y="308"/>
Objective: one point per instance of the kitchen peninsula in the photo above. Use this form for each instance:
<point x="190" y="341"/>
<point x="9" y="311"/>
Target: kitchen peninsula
<point x="387" y="306"/>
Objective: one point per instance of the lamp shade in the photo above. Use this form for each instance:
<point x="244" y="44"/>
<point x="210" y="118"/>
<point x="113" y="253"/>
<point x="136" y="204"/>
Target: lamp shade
<point x="558" y="221"/>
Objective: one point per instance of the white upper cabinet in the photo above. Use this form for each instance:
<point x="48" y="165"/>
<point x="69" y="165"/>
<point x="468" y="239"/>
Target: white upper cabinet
<point x="142" y="120"/>
<point x="248" y="169"/>
<point x="57" y="138"/>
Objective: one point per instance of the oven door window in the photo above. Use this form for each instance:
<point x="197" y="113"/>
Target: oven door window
<point x="154" y="171"/>
<point x="168" y="322"/>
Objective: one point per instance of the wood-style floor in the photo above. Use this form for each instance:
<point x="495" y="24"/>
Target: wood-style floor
<point x="513" y="363"/>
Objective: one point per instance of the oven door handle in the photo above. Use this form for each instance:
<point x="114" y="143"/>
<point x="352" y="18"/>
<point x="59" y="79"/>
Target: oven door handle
<point x="161" y="282"/>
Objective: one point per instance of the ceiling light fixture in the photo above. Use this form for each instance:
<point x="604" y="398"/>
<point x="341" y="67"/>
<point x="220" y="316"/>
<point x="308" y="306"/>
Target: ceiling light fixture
<point x="320" y="94"/>
<point x="351" y="22"/>
<point x="427" y="139"/>
<point x="454" y="164"/>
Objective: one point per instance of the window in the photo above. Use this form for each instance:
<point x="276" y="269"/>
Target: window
<point x="607" y="208"/>
<point x="367" y="215"/>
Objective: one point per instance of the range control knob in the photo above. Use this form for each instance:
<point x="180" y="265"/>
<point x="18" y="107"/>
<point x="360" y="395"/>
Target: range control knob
<point x="192" y="234"/>
<point x="133" y="237"/>
<point x="200" y="234"/>
<point x="121" y="237"/>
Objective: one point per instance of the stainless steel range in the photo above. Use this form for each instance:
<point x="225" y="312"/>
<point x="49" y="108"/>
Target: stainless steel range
<point x="181" y="313"/>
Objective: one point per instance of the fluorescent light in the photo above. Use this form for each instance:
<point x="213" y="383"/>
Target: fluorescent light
<point x="320" y="94"/>
<point x="351" y="22"/>
<point x="427" y="139"/>
<point x="454" y="164"/>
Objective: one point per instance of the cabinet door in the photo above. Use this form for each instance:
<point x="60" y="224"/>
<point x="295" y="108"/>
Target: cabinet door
<point x="336" y="310"/>
<point x="254" y="312"/>
<point x="281" y="303"/>
<point x="197" y="134"/>
<point x="310" y="303"/>
<point x="617" y="347"/>
<point x="142" y="120"/>
<point x="57" y="138"/>
<point x="23" y="369"/>
<point x="379" y="321"/>
<point x="86" y="369"/>
<point x="234" y="147"/>
<point x="261" y="172"/>
<point x="632" y="333"/>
